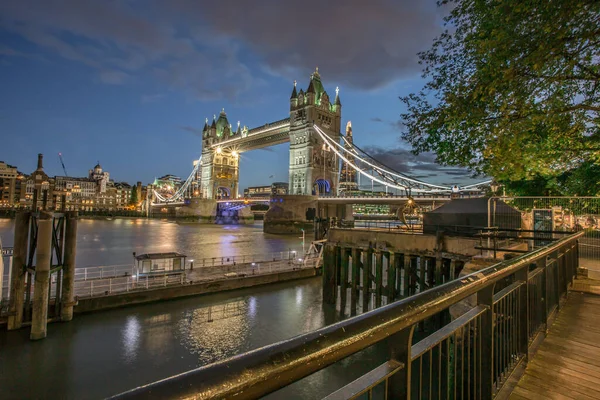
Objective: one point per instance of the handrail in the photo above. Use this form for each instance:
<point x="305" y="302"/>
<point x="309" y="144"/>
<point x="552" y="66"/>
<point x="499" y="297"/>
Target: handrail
<point x="264" y="370"/>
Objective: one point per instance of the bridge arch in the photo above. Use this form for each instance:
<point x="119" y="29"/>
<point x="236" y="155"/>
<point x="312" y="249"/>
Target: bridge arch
<point x="223" y="192"/>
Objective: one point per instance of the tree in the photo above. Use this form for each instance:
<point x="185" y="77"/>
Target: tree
<point x="512" y="89"/>
<point x="133" y="200"/>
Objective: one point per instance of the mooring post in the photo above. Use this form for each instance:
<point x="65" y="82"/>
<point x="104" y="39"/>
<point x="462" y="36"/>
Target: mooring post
<point x="68" y="281"/>
<point x="422" y="274"/>
<point x="17" y="280"/>
<point x="39" y="318"/>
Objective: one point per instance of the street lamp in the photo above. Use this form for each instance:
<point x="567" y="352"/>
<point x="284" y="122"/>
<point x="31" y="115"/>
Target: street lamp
<point x="494" y="186"/>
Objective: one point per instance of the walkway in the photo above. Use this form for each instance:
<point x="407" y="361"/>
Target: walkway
<point x="567" y="363"/>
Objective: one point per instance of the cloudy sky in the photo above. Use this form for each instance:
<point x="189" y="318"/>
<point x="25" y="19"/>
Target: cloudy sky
<point x="130" y="82"/>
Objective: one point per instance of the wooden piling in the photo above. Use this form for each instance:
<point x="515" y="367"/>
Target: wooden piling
<point x="378" y="278"/>
<point x="355" y="277"/>
<point x="68" y="278"/>
<point x="343" y="259"/>
<point x="407" y="261"/>
<point x="39" y="318"/>
<point x="391" y="276"/>
<point x="367" y="273"/>
<point x="17" y="282"/>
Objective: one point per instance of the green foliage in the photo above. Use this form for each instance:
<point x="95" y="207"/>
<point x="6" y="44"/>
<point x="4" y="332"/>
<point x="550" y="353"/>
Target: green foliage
<point x="513" y="92"/>
<point x="133" y="200"/>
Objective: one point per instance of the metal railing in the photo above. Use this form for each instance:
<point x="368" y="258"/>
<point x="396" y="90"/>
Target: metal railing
<point x="118" y="284"/>
<point x="470" y="357"/>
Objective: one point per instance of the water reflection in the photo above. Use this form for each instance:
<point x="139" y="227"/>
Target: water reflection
<point x="131" y="337"/>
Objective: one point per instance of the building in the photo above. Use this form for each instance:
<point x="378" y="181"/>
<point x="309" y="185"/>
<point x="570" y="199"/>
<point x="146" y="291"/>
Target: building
<point x="96" y="192"/>
<point x="348" y="181"/>
<point x="9" y="195"/>
<point x="122" y="195"/>
<point x="102" y="178"/>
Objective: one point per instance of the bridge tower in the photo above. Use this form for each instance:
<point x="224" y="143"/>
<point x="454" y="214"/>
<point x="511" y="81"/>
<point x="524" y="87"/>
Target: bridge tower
<point x="219" y="176"/>
<point x="313" y="167"/>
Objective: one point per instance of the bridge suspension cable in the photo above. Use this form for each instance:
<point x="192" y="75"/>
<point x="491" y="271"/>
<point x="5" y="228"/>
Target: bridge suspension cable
<point x="179" y="195"/>
<point x="353" y="155"/>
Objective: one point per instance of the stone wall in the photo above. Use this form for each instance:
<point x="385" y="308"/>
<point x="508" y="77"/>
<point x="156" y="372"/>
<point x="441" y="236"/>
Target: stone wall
<point x="199" y="210"/>
<point x="287" y="214"/>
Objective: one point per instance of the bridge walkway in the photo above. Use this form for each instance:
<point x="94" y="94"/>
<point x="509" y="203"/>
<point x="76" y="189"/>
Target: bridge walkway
<point x="567" y="363"/>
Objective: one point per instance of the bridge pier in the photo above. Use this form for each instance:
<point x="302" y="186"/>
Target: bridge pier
<point x="290" y="214"/>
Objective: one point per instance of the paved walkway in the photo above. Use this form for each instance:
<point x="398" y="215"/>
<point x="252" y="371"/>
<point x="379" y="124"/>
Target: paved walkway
<point x="567" y="363"/>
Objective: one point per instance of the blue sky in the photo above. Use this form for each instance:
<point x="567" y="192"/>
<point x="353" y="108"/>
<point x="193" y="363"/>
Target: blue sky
<point x="130" y="82"/>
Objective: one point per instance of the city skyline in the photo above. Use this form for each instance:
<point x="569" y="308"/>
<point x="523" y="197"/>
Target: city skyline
<point x="133" y="88"/>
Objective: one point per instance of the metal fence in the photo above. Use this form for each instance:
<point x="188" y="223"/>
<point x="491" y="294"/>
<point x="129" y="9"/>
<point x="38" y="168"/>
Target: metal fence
<point x="471" y="357"/>
<point x="550" y="215"/>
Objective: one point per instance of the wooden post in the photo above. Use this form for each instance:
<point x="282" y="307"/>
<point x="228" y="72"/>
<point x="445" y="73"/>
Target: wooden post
<point x="422" y="273"/>
<point x="367" y="272"/>
<point x="354" y="294"/>
<point x="329" y="267"/>
<point x="378" y="278"/>
<point x="407" y="261"/>
<point x="391" y="277"/>
<point x="17" y="279"/>
<point x="68" y="287"/>
<point x="452" y="270"/>
<point x="342" y="256"/>
<point x="439" y="262"/>
<point x="39" y="319"/>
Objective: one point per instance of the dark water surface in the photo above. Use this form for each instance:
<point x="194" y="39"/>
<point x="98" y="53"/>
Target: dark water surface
<point x="102" y="354"/>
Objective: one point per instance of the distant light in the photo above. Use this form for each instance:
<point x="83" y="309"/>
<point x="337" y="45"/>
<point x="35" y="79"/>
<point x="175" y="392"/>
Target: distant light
<point x="234" y="153"/>
<point x="219" y="150"/>
<point x="254" y="264"/>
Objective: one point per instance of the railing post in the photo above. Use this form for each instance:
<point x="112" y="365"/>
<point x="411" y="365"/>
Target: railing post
<point x="556" y="283"/>
<point x="485" y="297"/>
<point x="400" y="350"/>
<point x="541" y="263"/>
<point x="523" y="311"/>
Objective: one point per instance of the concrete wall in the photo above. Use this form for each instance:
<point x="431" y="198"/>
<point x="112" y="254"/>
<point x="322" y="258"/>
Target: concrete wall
<point x="287" y="214"/>
<point x="199" y="210"/>
<point x="404" y="242"/>
<point x="174" y="292"/>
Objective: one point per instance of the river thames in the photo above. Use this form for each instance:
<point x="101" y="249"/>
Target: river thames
<point x="104" y="353"/>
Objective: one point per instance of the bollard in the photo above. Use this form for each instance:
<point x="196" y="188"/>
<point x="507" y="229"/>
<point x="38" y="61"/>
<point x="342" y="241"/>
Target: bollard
<point x="68" y="281"/>
<point x="17" y="281"/>
<point x="39" y="319"/>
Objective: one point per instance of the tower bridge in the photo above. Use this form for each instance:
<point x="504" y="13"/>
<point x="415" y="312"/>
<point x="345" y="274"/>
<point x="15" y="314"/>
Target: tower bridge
<point x="325" y="166"/>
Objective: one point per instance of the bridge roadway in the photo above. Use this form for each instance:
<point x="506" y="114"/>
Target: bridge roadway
<point x="390" y="199"/>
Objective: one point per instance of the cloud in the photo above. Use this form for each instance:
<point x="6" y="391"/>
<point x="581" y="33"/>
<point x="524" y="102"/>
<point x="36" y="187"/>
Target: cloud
<point x="422" y="166"/>
<point x="185" y="43"/>
<point x="119" y="39"/>
<point x="363" y="44"/>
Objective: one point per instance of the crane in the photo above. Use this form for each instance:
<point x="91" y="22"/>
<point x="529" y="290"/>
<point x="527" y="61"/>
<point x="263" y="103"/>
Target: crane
<point x="62" y="163"/>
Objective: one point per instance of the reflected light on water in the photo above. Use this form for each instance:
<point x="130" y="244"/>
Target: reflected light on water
<point x="131" y="338"/>
<point x="252" y="307"/>
<point x="299" y="296"/>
